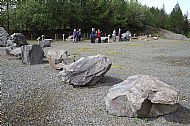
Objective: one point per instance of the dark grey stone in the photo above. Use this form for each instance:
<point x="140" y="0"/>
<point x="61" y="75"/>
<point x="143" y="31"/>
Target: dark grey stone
<point x="32" y="54"/>
<point x="141" y="96"/>
<point x="17" y="38"/>
<point x="86" y="71"/>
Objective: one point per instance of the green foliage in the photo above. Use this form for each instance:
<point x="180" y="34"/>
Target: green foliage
<point x="33" y="15"/>
<point x="176" y="19"/>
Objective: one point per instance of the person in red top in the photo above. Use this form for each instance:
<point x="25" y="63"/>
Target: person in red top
<point x="99" y="36"/>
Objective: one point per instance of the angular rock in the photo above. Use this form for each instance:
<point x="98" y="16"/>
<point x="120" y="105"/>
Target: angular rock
<point x="32" y="54"/>
<point x="15" y="51"/>
<point x="17" y="38"/>
<point x="141" y="96"/>
<point x="58" y="58"/>
<point x="86" y="71"/>
<point x="46" y="43"/>
<point x="3" y="36"/>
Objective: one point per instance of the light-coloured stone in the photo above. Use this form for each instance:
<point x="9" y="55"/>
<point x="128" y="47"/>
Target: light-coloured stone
<point x="3" y="36"/>
<point x="86" y="71"/>
<point x="59" y="58"/>
<point x="141" y="96"/>
<point x="46" y="43"/>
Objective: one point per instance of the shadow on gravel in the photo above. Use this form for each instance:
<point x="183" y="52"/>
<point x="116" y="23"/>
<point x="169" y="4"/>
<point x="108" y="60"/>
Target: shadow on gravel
<point x="182" y="116"/>
<point x="174" y="60"/>
<point x="105" y="81"/>
<point x="45" y="61"/>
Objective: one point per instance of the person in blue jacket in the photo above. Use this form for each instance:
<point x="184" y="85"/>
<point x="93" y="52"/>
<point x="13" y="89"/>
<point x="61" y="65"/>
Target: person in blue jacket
<point x="93" y="35"/>
<point x="75" y="36"/>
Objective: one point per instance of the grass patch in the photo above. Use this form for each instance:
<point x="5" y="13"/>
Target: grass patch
<point x="135" y="44"/>
<point x="117" y="66"/>
<point x="31" y="42"/>
<point x="84" y="49"/>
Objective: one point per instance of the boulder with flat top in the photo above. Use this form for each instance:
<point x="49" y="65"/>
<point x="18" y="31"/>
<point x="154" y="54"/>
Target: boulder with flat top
<point x="142" y="96"/>
<point x="32" y="54"/>
<point x="86" y="71"/>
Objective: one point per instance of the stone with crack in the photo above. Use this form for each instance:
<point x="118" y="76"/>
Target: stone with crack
<point x="32" y="54"/>
<point x="86" y="71"/>
<point x="141" y="96"/>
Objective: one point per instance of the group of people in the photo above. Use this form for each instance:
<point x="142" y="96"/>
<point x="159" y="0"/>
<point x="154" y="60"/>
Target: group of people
<point x="77" y="35"/>
<point x="95" y="34"/>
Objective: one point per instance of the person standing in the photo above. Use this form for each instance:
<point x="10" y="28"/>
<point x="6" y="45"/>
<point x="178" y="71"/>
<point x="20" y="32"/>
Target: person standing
<point x="79" y="35"/>
<point x="119" y="34"/>
<point x="114" y="35"/>
<point x="75" y="36"/>
<point x="93" y="35"/>
<point x="99" y="36"/>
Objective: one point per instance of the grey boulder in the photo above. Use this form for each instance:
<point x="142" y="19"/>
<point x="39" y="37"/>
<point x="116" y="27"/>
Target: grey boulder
<point x="32" y="54"/>
<point x="17" y="38"/>
<point x="86" y="71"/>
<point x="13" y="50"/>
<point x="3" y="36"/>
<point x="141" y="96"/>
<point x="16" y="51"/>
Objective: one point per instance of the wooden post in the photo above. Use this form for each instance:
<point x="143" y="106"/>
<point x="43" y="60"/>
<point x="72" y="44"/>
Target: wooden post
<point x="63" y="37"/>
<point x="38" y="39"/>
<point x="109" y="38"/>
<point x="43" y="36"/>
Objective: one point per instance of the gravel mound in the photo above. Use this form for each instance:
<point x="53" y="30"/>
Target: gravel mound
<point x="34" y="94"/>
<point x="165" y="33"/>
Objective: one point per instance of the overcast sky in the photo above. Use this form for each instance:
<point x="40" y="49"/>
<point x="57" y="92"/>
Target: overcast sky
<point x="169" y="4"/>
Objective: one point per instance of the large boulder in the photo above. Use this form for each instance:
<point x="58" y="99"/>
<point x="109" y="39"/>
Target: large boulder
<point x="141" y="96"/>
<point x="3" y="36"/>
<point x="86" y="71"/>
<point x="17" y="38"/>
<point x="58" y="58"/>
<point x="32" y="54"/>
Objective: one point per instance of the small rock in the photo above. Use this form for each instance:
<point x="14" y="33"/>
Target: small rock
<point x="46" y="43"/>
<point x="141" y="96"/>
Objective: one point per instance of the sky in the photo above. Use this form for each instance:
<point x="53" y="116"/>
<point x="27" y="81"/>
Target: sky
<point x="169" y="4"/>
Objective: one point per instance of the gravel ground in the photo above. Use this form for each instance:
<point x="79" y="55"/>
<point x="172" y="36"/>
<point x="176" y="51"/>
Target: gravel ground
<point x="34" y="95"/>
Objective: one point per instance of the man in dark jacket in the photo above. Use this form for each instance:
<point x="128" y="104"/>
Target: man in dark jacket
<point x="93" y="35"/>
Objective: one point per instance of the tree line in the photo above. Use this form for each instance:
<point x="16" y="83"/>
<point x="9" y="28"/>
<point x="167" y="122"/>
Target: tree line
<point x="59" y="15"/>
